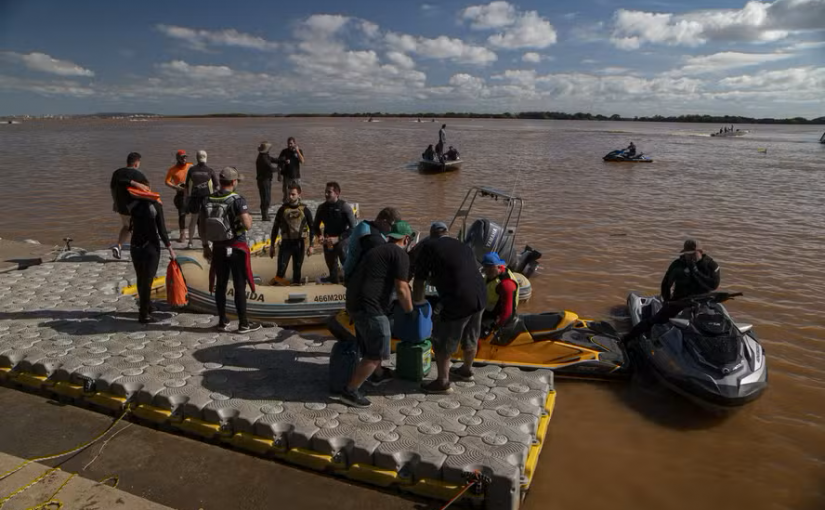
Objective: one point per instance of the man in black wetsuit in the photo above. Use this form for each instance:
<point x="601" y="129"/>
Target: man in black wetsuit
<point x="692" y="274"/>
<point x="265" y="167"/>
<point x="339" y="221"/>
<point x="631" y="150"/>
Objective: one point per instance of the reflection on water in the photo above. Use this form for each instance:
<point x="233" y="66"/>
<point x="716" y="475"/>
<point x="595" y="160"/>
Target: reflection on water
<point x="604" y="230"/>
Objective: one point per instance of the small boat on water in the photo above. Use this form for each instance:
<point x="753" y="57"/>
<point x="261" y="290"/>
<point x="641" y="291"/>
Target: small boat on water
<point x="738" y="132"/>
<point x="436" y="167"/>
<point x="822" y="138"/>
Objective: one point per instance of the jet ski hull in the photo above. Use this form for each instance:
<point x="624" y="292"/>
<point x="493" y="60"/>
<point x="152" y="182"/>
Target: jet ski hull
<point x="670" y="355"/>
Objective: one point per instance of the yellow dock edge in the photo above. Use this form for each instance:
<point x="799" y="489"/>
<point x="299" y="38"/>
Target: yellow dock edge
<point x="365" y="473"/>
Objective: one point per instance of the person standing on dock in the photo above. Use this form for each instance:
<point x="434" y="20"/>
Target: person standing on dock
<point x="442" y="141"/>
<point x="122" y="178"/>
<point x="293" y="222"/>
<point x="339" y="221"/>
<point x="290" y="160"/>
<point x="148" y="230"/>
<point x="175" y="177"/>
<point x="265" y="167"/>
<point x="225" y="219"/>
<point x="201" y="181"/>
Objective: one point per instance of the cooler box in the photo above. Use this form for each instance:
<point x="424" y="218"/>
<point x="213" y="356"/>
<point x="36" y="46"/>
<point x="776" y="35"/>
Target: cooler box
<point x="413" y="360"/>
<point x="413" y="327"/>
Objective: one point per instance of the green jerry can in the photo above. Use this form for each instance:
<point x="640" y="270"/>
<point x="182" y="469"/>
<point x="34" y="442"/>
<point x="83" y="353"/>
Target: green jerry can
<point x="413" y="360"/>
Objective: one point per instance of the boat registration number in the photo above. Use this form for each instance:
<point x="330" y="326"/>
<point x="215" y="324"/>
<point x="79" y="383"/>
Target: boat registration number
<point x="330" y="297"/>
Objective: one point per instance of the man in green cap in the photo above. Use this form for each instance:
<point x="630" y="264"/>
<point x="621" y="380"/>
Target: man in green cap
<point x="369" y="297"/>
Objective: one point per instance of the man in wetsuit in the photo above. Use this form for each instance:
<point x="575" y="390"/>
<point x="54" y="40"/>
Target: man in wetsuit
<point x="122" y="178"/>
<point x="693" y="273"/>
<point x="175" y="177"/>
<point x="201" y="181"/>
<point x="148" y="230"/>
<point x="265" y="167"/>
<point x="290" y="160"/>
<point x="339" y="221"/>
<point x="293" y="222"/>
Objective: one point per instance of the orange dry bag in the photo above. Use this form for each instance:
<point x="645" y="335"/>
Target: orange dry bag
<point x="176" y="293"/>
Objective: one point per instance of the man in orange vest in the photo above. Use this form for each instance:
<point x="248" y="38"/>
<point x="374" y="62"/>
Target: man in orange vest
<point x="175" y="177"/>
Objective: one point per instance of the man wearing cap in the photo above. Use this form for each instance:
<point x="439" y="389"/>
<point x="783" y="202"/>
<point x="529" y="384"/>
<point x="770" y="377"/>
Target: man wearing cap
<point x="693" y="273"/>
<point x="367" y="235"/>
<point x="232" y="256"/>
<point x="265" y="167"/>
<point x="201" y="181"/>
<point x="369" y="298"/>
<point x="437" y="230"/>
<point x="450" y="266"/>
<point x="502" y="292"/>
<point x="175" y="177"/>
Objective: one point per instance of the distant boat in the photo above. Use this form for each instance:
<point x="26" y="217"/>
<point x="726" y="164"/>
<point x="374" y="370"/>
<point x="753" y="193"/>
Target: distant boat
<point x="437" y="167"/>
<point x="10" y="122"/>
<point x="738" y="132"/>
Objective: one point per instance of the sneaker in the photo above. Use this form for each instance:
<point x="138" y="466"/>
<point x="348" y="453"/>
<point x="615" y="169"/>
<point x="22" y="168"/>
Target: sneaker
<point x="386" y="376"/>
<point x="222" y="326"/>
<point x="437" y="388"/>
<point x="249" y="327"/>
<point x="458" y="374"/>
<point x="116" y="252"/>
<point x="354" y="398"/>
<point x="190" y="246"/>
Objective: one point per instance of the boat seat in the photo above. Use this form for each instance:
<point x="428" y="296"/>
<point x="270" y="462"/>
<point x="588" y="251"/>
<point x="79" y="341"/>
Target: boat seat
<point x="539" y="322"/>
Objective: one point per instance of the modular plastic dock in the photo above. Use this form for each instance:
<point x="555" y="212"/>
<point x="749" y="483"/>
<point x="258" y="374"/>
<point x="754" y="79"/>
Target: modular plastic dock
<point x="67" y="330"/>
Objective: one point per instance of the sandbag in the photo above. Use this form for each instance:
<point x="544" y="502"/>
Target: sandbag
<point x="176" y="292"/>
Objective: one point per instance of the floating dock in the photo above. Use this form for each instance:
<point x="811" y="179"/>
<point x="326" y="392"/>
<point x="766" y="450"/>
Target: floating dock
<point x="67" y="330"/>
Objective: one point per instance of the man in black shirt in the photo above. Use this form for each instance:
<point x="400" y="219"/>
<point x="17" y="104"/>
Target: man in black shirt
<point x="693" y="273"/>
<point x="290" y="160"/>
<point x="369" y="298"/>
<point x="148" y="229"/>
<point x="450" y="266"/>
<point x="338" y="220"/>
<point x="122" y="178"/>
<point x="265" y="167"/>
<point x="201" y="181"/>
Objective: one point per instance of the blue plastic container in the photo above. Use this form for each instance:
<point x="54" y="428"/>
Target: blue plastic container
<point x="413" y="327"/>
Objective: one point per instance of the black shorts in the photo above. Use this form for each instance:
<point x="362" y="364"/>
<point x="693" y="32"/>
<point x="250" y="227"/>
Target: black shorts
<point x="373" y="334"/>
<point x="180" y="202"/>
<point x="195" y="204"/>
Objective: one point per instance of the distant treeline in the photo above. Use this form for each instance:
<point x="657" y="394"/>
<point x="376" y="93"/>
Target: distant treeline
<point x="426" y="116"/>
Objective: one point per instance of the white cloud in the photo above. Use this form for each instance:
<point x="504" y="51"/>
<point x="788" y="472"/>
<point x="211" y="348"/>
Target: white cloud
<point x="202" y="39"/>
<point x="46" y="88"/>
<point x="531" y="56"/>
<point x="369" y="28"/>
<point x="728" y="60"/>
<point x="441" y="47"/>
<point x="493" y="15"/>
<point x="805" y="46"/>
<point x="196" y="72"/>
<point x="401" y="60"/>
<point x="799" y="82"/>
<point x="48" y="64"/>
<point x="589" y="61"/>
<point x="325" y="25"/>
<point x="757" y="22"/>
<point x="614" y="70"/>
<point x="520" y="29"/>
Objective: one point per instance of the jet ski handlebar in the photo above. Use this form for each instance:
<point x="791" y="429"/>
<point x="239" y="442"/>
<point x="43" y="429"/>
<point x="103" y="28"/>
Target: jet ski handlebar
<point x="714" y="297"/>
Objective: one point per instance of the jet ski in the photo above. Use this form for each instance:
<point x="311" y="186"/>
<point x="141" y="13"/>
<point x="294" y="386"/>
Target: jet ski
<point x="559" y="341"/>
<point x="621" y="156"/>
<point x="701" y="353"/>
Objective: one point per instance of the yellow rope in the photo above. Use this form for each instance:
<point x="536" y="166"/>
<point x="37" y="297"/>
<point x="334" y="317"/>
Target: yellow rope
<point x="50" y="502"/>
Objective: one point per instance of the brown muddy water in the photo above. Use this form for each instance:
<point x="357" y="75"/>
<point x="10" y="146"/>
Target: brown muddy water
<point x="604" y="229"/>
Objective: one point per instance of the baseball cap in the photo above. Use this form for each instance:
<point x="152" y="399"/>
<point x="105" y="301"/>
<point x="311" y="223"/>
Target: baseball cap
<point x="230" y="173"/>
<point x="400" y="229"/>
<point x="691" y="245"/>
<point x="201" y="155"/>
<point x="181" y="153"/>
<point x="492" y="259"/>
<point x="438" y="226"/>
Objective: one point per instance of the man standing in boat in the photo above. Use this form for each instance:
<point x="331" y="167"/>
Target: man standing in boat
<point x="339" y="221"/>
<point x="290" y="160"/>
<point x="265" y="167"/>
<point x="442" y="141"/>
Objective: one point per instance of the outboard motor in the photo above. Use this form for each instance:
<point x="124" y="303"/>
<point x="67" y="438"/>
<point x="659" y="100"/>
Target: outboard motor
<point x="485" y="236"/>
<point x="527" y="262"/>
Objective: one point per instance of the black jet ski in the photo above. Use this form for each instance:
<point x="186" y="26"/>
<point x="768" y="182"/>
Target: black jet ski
<point x="621" y="156"/>
<point x="701" y="353"/>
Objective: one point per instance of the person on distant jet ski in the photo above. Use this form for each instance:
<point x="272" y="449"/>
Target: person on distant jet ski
<point x="692" y="274"/>
<point x="631" y="150"/>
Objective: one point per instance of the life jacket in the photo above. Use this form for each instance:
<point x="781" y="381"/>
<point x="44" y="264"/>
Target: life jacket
<point x="493" y="287"/>
<point x="219" y="222"/>
<point x="295" y="226"/>
<point x="139" y="194"/>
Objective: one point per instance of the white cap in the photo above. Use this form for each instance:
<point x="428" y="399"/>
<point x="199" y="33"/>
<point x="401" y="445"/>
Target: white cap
<point x="201" y="155"/>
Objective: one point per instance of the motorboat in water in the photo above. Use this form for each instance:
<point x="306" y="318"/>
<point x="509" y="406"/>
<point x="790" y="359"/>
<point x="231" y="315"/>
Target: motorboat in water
<point x="559" y="341"/>
<point x="621" y="156"/>
<point x="701" y="353"/>
<point x="436" y="167"/>
<point x="738" y="132"/>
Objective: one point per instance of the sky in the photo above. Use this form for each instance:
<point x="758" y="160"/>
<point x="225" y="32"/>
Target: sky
<point x="626" y="57"/>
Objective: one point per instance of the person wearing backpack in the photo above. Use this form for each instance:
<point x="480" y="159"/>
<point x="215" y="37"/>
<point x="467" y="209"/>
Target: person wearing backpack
<point x="339" y="221"/>
<point x="294" y="222"/>
<point x="201" y="181"/>
<point x="224" y="220"/>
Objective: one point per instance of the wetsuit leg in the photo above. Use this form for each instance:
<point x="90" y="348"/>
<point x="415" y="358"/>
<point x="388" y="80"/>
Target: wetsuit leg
<point x="298" y="260"/>
<point x="145" y="260"/>
<point x="222" y="270"/>
<point x="265" y="192"/>
<point x="284" y="254"/>
<point x="331" y="258"/>
<point x="237" y="264"/>
<point x="181" y="207"/>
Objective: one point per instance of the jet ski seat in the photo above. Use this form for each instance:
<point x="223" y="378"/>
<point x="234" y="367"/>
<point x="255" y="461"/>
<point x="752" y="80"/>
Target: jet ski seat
<point x="485" y="236"/>
<point x="539" y="322"/>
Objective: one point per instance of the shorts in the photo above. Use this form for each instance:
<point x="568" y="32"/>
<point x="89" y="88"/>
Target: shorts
<point x="180" y="202"/>
<point x="448" y="334"/>
<point x="373" y="333"/>
<point x="194" y="204"/>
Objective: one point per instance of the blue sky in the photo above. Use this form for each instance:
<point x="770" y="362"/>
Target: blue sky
<point x="632" y="57"/>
